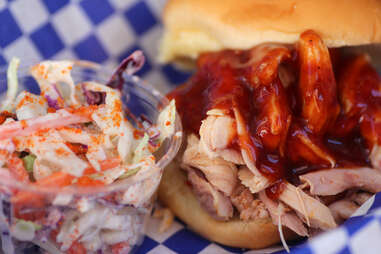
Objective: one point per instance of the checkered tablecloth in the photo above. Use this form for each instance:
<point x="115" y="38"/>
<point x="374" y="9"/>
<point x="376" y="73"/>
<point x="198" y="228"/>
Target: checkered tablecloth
<point x="106" y="31"/>
<point x="358" y="235"/>
<point x="103" y="31"/>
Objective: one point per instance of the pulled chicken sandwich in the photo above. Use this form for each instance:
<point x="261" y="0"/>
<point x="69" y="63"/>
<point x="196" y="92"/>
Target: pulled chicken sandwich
<point x="283" y="125"/>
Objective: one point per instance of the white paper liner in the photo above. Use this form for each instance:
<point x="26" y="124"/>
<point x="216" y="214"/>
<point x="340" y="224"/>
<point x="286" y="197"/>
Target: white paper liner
<point x="364" y="208"/>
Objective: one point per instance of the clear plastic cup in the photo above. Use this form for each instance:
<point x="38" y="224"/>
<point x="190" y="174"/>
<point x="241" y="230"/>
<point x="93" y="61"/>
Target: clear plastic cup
<point x="99" y="218"/>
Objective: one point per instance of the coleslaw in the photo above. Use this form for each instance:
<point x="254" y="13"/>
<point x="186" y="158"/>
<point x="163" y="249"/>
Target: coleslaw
<point x="77" y="135"/>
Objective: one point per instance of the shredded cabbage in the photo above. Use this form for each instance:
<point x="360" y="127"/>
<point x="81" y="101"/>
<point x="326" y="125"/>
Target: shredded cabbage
<point x="45" y="148"/>
<point x="29" y="105"/>
<point x="109" y="176"/>
<point x="112" y="125"/>
<point x="29" y="162"/>
<point x="62" y="199"/>
<point x="50" y="74"/>
<point x="35" y="225"/>
<point x="129" y="173"/>
<point x="166" y="121"/>
<point x="12" y="84"/>
<point x="24" y="230"/>
<point x="141" y="155"/>
<point x="142" y="150"/>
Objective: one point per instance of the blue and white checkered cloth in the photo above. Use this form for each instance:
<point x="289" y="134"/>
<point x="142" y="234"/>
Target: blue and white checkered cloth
<point x="106" y="31"/>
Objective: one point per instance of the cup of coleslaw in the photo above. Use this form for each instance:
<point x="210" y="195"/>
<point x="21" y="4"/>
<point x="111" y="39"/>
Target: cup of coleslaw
<point x="71" y="185"/>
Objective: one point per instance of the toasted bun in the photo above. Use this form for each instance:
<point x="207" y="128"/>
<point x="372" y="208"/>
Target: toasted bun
<point x="178" y="196"/>
<point x="195" y="26"/>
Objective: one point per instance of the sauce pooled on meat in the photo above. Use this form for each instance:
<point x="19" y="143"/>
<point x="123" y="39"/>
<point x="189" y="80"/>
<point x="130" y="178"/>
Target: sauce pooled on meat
<point x="304" y="107"/>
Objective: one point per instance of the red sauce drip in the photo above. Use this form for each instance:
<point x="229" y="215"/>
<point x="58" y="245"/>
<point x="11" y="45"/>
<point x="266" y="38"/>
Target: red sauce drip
<point x="191" y="102"/>
<point x="276" y="189"/>
<point x="223" y="81"/>
<point x="215" y="85"/>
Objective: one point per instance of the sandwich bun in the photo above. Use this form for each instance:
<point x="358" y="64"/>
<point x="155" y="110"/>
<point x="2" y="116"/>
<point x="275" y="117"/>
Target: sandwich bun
<point x="195" y="26"/>
<point x="175" y="193"/>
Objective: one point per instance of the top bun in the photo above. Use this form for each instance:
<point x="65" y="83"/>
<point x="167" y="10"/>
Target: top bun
<point x="196" y="26"/>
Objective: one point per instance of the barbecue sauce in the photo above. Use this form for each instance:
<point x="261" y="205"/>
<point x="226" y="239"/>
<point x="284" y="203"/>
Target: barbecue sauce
<point x="224" y="80"/>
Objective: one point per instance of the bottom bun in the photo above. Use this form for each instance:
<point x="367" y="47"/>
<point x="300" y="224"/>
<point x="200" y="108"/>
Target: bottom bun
<point x="175" y="193"/>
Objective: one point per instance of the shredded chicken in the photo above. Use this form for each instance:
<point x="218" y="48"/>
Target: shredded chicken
<point x="220" y="173"/>
<point x="248" y="207"/>
<point x="360" y="197"/>
<point x="243" y="134"/>
<point x="313" y="210"/>
<point x="216" y="203"/>
<point x="256" y="116"/>
<point x="375" y="157"/>
<point x="348" y="206"/>
<point x="305" y="147"/>
<point x="288" y="219"/>
<point x="343" y="209"/>
<point x="254" y="183"/>
<point x="315" y="213"/>
<point x="334" y="181"/>
<point x="216" y="134"/>
<point x="317" y="83"/>
<point x="259" y="182"/>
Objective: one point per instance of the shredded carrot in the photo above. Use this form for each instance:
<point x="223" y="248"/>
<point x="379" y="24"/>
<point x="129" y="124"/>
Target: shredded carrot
<point x="77" y="248"/>
<point x="120" y="248"/>
<point x="57" y="179"/>
<point x="16" y="142"/>
<point x="32" y="215"/>
<point x="51" y="110"/>
<point x="110" y="163"/>
<point x="24" y="198"/>
<point x="89" y="171"/>
<point x="16" y="166"/>
<point x="86" y="181"/>
<point x="105" y="165"/>
<point x="77" y="148"/>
